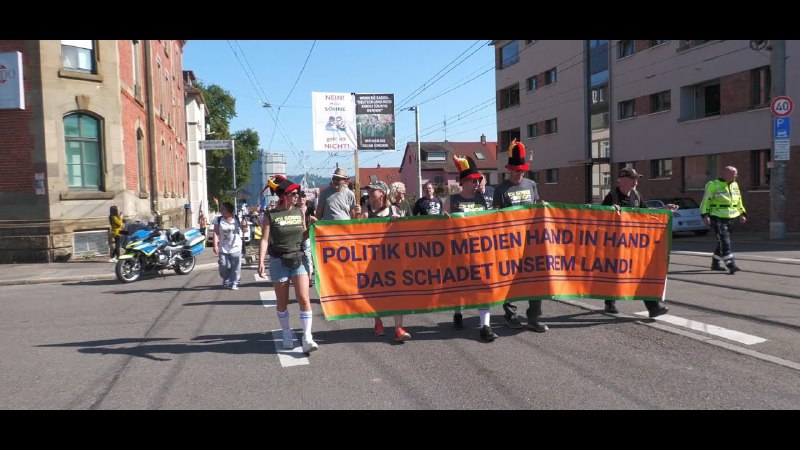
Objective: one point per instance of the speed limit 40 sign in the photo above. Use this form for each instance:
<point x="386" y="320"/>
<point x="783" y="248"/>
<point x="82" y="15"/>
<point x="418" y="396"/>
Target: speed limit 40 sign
<point x="781" y="106"/>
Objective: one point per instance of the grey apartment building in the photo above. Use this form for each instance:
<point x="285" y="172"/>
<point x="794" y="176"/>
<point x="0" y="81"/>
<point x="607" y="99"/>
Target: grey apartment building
<point x="676" y="110"/>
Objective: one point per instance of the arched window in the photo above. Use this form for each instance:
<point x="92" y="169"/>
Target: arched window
<point x="142" y="161"/>
<point x="83" y="144"/>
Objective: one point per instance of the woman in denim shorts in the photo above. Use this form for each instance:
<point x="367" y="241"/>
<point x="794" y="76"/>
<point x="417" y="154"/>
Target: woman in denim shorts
<point x="282" y="234"/>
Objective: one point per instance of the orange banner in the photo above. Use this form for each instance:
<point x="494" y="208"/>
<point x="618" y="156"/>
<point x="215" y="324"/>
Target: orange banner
<point x="374" y="267"/>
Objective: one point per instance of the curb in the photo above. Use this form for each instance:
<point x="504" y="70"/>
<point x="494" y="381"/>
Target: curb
<point x="102" y="276"/>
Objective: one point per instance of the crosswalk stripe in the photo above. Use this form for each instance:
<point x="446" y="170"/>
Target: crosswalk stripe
<point x="268" y="299"/>
<point x="732" y="335"/>
<point x="288" y="358"/>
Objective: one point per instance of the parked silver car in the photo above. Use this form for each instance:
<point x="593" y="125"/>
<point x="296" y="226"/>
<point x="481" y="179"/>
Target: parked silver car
<point x="686" y="219"/>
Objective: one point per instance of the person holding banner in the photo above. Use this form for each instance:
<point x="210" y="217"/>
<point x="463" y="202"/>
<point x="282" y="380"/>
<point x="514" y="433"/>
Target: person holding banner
<point x="487" y="192"/>
<point x="517" y="190"/>
<point x="397" y="195"/>
<point x="378" y="205"/>
<point x="470" y="199"/>
<point x="625" y="194"/>
<point x="282" y="235"/>
<point x="429" y="204"/>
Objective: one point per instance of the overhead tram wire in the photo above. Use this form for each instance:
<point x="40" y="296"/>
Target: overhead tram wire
<point x="406" y="101"/>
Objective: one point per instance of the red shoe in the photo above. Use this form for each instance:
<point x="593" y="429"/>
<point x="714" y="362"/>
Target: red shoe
<point x="379" y="327"/>
<point x="401" y="335"/>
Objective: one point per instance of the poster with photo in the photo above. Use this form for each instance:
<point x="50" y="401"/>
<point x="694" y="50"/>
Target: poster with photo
<point x="375" y="121"/>
<point x="334" y="121"/>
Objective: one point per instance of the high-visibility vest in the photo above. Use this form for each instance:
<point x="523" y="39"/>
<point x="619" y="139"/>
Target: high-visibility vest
<point x="722" y="200"/>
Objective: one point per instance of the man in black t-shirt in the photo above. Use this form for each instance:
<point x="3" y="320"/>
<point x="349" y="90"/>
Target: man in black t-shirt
<point x="428" y="204"/>
<point x="625" y="194"/>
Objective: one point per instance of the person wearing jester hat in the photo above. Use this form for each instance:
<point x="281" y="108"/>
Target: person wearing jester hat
<point x="518" y="190"/>
<point x="470" y="199"/>
<point x="282" y="237"/>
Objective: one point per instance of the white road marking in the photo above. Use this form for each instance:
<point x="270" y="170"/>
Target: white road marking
<point x="288" y="358"/>
<point x="732" y="335"/>
<point x="753" y="257"/>
<point x="268" y="299"/>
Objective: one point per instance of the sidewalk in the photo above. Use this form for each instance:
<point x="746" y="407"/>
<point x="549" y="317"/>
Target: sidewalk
<point x="79" y="270"/>
<point x="101" y="269"/>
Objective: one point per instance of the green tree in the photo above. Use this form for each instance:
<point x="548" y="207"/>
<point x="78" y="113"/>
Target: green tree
<point x="219" y="172"/>
<point x="246" y="153"/>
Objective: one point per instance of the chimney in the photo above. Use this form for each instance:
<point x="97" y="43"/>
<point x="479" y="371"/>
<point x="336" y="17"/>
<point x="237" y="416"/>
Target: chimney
<point x="379" y="166"/>
<point x="483" y="139"/>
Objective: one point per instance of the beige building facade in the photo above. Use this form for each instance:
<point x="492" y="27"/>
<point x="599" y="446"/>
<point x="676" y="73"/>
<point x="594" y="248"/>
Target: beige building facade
<point x="103" y="125"/>
<point x="676" y="110"/>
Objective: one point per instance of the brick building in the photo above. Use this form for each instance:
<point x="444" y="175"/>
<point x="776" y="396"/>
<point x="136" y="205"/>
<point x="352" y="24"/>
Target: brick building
<point x="678" y="111"/>
<point x="103" y="124"/>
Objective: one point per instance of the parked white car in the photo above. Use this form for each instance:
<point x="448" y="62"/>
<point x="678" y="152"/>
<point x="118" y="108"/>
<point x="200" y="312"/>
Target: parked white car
<point x="686" y="219"/>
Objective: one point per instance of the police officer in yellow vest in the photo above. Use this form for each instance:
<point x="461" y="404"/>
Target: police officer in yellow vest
<point x="722" y="203"/>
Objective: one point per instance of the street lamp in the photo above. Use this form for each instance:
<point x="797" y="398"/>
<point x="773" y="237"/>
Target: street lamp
<point x="419" y="150"/>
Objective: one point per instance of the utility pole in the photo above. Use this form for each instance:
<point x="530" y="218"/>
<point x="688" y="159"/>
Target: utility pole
<point x="777" y="179"/>
<point x="233" y="152"/>
<point x="419" y="152"/>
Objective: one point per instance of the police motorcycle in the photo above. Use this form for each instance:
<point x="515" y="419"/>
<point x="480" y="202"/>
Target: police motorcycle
<point x="152" y="249"/>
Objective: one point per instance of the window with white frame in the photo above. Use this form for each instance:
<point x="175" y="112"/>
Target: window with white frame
<point x="436" y="156"/>
<point x="78" y="55"/>
<point x="82" y="145"/>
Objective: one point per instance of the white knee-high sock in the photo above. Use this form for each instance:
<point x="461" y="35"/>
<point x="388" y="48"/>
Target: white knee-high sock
<point x="306" y="316"/>
<point x="484" y="316"/>
<point x="283" y="319"/>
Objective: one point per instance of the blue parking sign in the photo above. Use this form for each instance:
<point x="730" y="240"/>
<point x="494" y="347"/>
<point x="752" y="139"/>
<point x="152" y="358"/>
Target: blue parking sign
<point x="782" y="128"/>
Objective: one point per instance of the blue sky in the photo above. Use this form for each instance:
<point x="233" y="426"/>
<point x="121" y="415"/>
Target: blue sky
<point x="451" y="81"/>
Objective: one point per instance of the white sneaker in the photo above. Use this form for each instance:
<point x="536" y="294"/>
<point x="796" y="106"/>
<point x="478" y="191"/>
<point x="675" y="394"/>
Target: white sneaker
<point x="309" y="345"/>
<point x="235" y="287"/>
<point x="288" y="340"/>
<point x="112" y="260"/>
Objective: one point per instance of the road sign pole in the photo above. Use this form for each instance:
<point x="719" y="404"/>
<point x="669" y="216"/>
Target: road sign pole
<point x="777" y="182"/>
<point x="233" y="152"/>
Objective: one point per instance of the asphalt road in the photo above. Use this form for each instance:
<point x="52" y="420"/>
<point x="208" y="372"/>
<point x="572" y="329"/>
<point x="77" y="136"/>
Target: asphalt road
<point x="180" y="342"/>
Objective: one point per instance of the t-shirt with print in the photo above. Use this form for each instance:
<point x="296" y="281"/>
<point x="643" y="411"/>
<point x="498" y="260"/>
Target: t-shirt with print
<point x="337" y="204"/>
<point x="427" y="206"/>
<point x="507" y="194"/>
<point x="461" y="204"/>
<point x="403" y="210"/>
<point x="230" y="236"/>
<point x="488" y="195"/>
<point x="285" y="230"/>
